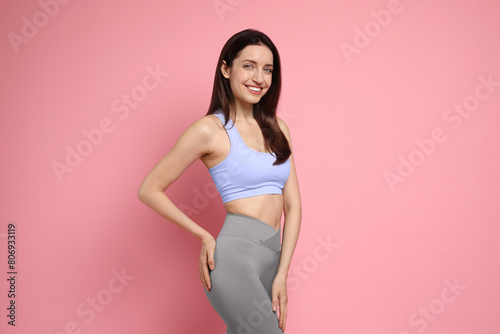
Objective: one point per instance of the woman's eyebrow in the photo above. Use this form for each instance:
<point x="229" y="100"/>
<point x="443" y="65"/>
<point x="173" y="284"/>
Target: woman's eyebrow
<point x="254" y="62"/>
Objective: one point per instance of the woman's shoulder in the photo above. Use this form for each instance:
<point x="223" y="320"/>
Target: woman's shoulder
<point x="208" y="126"/>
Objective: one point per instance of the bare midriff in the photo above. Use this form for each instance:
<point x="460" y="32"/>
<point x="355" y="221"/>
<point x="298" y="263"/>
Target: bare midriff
<point x="267" y="208"/>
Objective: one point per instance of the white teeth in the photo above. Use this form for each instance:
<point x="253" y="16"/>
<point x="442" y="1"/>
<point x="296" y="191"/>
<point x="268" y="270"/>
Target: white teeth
<point x="255" y="89"/>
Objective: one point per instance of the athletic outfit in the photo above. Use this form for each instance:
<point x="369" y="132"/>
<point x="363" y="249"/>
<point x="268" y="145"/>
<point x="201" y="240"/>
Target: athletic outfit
<point x="247" y="249"/>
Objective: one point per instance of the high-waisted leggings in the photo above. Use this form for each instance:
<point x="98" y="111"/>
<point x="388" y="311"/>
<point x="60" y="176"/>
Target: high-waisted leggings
<point x="246" y="257"/>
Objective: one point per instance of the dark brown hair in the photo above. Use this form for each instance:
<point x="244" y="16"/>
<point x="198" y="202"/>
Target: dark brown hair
<point x="264" y="111"/>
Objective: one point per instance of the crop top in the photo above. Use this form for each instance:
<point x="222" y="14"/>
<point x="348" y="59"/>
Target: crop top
<point x="246" y="172"/>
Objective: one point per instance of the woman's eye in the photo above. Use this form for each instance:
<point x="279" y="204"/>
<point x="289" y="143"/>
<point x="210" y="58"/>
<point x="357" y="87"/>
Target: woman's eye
<point x="247" y="65"/>
<point x="269" y="70"/>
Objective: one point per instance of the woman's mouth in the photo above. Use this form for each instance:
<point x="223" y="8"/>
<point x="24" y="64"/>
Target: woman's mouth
<point x="254" y="90"/>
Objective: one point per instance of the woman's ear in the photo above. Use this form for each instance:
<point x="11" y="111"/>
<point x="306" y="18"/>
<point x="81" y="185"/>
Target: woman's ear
<point x="224" y="69"/>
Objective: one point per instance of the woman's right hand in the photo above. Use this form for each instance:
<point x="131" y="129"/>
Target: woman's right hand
<point x="207" y="260"/>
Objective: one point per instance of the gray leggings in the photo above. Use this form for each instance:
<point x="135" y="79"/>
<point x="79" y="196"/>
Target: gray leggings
<point x="246" y="257"/>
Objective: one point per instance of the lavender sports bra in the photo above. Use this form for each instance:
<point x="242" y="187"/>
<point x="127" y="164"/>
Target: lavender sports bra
<point x="246" y="172"/>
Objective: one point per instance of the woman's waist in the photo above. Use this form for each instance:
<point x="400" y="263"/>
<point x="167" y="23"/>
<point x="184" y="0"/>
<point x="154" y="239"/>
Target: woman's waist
<point x="265" y="208"/>
<point x="250" y="228"/>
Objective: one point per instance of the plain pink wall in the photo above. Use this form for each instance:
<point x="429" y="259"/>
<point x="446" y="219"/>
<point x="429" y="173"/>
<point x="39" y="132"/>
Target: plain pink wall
<point x="396" y="139"/>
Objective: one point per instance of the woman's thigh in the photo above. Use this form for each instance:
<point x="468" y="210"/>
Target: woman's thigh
<point x="241" y="284"/>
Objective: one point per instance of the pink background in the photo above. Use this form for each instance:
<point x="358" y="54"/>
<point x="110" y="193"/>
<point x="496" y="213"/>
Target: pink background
<point x="394" y="248"/>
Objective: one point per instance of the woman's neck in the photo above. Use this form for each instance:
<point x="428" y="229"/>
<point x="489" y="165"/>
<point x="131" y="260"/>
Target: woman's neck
<point x="241" y="112"/>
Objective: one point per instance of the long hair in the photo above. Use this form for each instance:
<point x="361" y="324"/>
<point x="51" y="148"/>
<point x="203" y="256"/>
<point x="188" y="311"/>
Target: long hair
<point x="264" y="111"/>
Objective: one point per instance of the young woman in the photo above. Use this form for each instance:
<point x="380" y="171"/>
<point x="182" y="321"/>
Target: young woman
<point x="248" y="152"/>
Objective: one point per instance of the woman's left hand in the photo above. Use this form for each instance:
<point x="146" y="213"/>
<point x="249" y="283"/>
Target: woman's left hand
<point x="280" y="296"/>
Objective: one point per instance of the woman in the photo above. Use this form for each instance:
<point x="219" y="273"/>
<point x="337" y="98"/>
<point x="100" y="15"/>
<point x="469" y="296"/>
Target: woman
<point x="247" y="150"/>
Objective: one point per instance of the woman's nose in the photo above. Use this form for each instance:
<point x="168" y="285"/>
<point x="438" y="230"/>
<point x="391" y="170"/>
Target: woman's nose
<point x="258" y="77"/>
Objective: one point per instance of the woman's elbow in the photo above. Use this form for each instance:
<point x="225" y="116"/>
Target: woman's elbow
<point x="143" y="193"/>
<point x="148" y="189"/>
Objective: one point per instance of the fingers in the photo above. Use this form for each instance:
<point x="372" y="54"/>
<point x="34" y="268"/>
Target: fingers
<point x="206" y="260"/>
<point x="211" y="261"/>
<point x="202" y="278"/>
<point x="282" y="317"/>
<point x="205" y="275"/>
<point x="281" y="299"/>
<point x="275" y="302"/>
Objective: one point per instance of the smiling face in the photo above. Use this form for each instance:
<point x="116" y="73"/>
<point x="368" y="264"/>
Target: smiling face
<point x="250" y="75"/>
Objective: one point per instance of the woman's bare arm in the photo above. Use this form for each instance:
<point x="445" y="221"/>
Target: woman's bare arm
<point x="291" y="228"/>
<point x="292" y="209"/>
<point x="194" y="143"/>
